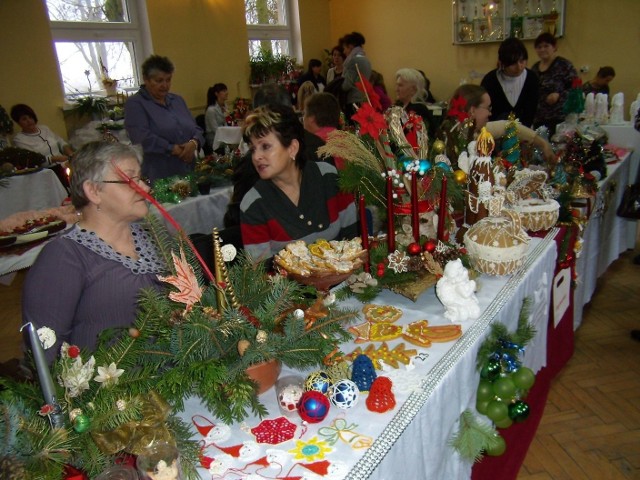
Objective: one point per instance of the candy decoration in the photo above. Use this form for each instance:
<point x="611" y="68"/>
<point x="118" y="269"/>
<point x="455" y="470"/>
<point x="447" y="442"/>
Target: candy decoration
<point x="363" y="372"/>
<point x="81" y="423"/>
<point x="317" y="381"/>
<point x="344" y="394"/>
<point x="314" y="406"/>
<point x="381" y="398"/>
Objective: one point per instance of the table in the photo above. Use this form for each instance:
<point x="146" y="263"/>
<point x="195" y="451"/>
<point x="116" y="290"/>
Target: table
<point x="200" y="214"/>
<point x="195" y="214"/>
<point x="93" y="132"/>
<point x="416" y="432"/>
<point x="33" y="191"/>
<point x="605" y="236"/>
<point x="227" y="136"/>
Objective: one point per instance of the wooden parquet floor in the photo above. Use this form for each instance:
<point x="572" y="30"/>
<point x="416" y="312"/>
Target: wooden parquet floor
<point x="591" y="425"/>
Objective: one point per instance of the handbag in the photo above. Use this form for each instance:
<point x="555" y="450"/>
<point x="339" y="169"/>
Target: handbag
<point x="630" y="204"/>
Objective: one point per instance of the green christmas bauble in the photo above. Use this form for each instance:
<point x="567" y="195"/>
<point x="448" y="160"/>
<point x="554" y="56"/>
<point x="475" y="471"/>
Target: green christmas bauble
<point x="524" y="378"/>
<point x="504" y="388"/>
<point x="497" y="410"/>
<point x="485" y="390"/>
<point x="518" y="411"/>
<point x="482" y="406"/>
<point x="497" y="447"/>
<point x="491" y="369"/>
<point x="81" y="423"/>
<point x="504" y="423"/>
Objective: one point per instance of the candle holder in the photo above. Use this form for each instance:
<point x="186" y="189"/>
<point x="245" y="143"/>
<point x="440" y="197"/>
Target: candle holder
<point x="159" y="461"/>
<point x="118" y="472"/>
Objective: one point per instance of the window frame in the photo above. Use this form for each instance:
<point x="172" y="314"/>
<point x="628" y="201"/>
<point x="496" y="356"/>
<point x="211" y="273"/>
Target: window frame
<point x="135" y="31"/>
<point x="289" y="32"/>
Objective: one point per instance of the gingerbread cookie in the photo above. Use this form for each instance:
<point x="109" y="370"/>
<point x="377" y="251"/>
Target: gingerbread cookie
<point x="421" y="334"/>
<point x="381" y="313"/>
<point x="375" y="332"/>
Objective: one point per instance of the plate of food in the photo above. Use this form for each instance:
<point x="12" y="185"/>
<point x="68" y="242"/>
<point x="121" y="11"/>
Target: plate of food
<point x="323" y="263"/>
<point x="32" y="231"/>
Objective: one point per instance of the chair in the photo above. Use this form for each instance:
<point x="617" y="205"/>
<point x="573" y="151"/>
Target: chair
<point x="202" y="124"/>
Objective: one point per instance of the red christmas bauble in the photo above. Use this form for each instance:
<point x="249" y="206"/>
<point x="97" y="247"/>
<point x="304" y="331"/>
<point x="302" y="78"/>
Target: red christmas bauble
<point x="313" y="406"/>
<point x="429" y="246"/>
<point x="414" y="248"/>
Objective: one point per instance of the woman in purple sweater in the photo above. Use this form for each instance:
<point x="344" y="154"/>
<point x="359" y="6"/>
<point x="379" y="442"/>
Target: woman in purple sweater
<point x="89" y="278"/>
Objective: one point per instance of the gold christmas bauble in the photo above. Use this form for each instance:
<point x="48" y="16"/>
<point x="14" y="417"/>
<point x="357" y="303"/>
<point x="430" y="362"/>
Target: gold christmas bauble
<point x="460" y="176"/>
<point x="437" y="147"/>
<point x="242" y="346"/>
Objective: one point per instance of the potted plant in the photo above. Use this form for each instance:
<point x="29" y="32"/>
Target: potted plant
<point x="269" y="67"/>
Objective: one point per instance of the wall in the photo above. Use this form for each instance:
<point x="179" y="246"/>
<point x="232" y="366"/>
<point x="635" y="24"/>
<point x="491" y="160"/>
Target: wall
<point x="29" y="72"/>
<point x="418" y="33"/>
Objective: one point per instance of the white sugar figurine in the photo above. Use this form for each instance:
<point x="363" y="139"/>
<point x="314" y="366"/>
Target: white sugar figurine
<point x="457" y="293"/>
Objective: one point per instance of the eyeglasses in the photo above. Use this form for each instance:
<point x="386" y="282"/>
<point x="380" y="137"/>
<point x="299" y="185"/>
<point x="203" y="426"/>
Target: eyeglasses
<point x="488" y="109"/>
<point x="139" y="180"/>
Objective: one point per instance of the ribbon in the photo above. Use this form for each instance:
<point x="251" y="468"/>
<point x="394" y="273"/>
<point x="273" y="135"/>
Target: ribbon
<point x="339" y="430"/>
<point x="135" y="436"/>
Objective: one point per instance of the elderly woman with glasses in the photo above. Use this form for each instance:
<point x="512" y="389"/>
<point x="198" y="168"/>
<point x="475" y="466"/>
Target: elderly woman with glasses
<point x="294" y="199"/>
<point x="512" y="86"/>
<point x="475" y="102"/>
<point x="89" y="278"/>
<point x="161" y="122"/>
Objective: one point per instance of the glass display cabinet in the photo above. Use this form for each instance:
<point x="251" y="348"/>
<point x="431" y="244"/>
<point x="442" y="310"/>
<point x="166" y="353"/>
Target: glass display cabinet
<point x="476" y="21"/>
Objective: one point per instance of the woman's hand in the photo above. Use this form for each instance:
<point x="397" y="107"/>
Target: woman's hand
<point x="188" y="151"/>
<point x="552" y="98"/>
<point x="548" y="153"/>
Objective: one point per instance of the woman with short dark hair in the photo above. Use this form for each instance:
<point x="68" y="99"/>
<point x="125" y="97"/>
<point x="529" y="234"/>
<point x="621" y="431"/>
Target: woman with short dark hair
<point x="512" y="86"/>
<point x="313" y="75"/>
<point x="38" y="138"/>
<point x="161" y="122"/>
<point x="294" y="199"/>
<point x="555" y="77"/>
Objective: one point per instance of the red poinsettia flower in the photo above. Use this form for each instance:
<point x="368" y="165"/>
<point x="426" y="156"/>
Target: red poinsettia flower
<point x="46" y="410"/>
<point x="457" y="109"/>
<point x="371" y="122"/>
<point x="73" y="351"/>
<point x="374" y="99"/>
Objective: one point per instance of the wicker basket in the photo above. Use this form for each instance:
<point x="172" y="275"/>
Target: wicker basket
<point x="537" y="214"/>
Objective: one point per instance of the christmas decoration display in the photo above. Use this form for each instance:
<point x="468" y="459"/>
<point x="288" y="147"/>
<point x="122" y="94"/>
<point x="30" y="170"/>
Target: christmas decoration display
<point x="344" y="394"/>
<point x="381" y="399"/>
<point x="457" y="293"/>
<point x="528" y="195"/>
<point x="388" y="165"/>
<point x="340" y="430"/>
<point x="317" y="381"/>
<point x="313" y="407"/>
<point x="510" y="143"/>
<point x="503" y="385"/>
<point x="289" y="390"/>
<point x="392" y="357"/>
<point x="183" y="342"/>
<point x="363" y="373"/>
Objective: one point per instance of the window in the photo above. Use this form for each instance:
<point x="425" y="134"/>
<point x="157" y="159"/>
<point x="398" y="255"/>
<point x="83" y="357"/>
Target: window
<point x="97" y="41"/>
<point x="273" y="25"/>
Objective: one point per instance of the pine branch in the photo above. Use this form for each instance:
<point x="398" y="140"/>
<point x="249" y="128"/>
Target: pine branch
<point x="472" y="437"/>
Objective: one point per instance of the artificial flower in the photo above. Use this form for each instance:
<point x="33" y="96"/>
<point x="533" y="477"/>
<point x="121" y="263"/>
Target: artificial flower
<point x="46" y="410"/>
<point x="371" y="122"/>
<point x="109" y="375"/>
<point x="372" y="96"/>
<point x="75" y="378"/>
<point x="47" y="337"/>
<point x="457" y="109"/>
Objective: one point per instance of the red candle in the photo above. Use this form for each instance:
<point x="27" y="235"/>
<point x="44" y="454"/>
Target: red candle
<point x="391" y="234"/>
<point x="364" y="231"/>
<point x="442" y="213"/>
<point x="415" y="219"/>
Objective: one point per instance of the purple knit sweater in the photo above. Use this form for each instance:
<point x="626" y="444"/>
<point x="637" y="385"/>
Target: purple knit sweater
<point x="79" y="286"/>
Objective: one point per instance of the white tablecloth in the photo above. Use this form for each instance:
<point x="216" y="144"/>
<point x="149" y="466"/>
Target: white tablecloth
<point x="202" y="213"/>
<point x="94" y="131"/>
<point x="411" y="441"/>
<point x="228" y="136"/>
<point x="605" y="236"/>
<point x="195" y="214"/>
<point x="33" y="191"/>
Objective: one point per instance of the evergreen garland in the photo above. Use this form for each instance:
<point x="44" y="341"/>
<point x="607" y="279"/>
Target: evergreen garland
<point x="473" y="437"/>
<point x="169" y="354"/>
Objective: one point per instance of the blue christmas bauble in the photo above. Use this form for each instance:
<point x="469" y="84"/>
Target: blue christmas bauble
<point x="318" y="381"/>
<point x="344" y="394"/>
<point x="313" y="406"/>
